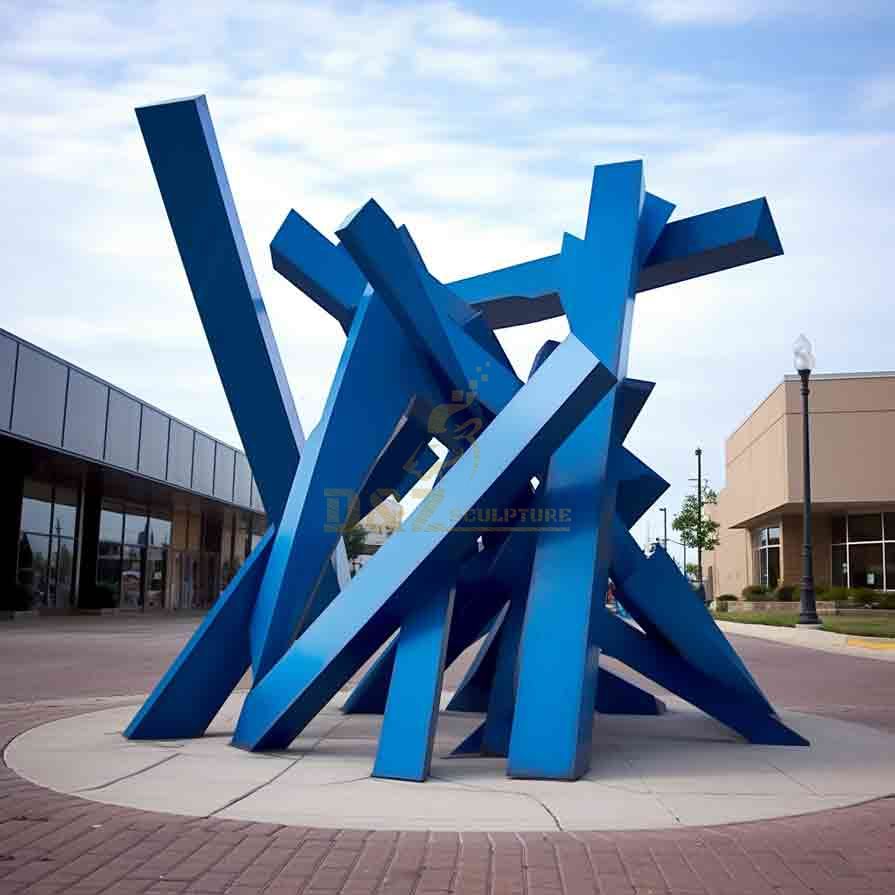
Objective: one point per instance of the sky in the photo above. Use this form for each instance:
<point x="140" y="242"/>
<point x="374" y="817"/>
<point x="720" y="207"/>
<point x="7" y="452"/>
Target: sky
<point x="478" y="126"/>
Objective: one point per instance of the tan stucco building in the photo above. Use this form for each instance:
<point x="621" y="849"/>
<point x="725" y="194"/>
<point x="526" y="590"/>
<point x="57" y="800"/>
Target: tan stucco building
<point x="852" y="419"/>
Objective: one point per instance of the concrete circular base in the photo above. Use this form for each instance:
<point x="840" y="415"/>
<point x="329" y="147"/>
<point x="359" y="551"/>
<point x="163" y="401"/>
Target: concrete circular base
<point x="680" y="768"/>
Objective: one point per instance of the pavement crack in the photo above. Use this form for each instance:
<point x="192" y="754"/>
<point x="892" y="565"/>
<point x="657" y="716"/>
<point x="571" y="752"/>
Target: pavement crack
<point x="136" y="773"/>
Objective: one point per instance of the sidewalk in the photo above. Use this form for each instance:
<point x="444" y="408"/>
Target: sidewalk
<point x="55" y="844"/>
<point x="882" y="648"/>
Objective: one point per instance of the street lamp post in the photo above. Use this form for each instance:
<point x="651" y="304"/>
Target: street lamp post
<point x="699" y="518"/>
<point x="803" y="358"/>
<point x="664" y="512"/>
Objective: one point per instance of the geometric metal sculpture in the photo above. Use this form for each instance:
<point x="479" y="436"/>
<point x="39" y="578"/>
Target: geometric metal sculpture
<point x="530" y="515"/>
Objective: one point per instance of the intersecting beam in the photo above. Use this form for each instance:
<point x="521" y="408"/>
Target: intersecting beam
<point x="429" y="545"/>
<point x="691" y="247"/>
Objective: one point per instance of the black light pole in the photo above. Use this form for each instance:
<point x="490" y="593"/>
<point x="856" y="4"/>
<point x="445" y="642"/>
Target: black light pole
<point x="803" y="358"/>
<point x="699" y="518"/>
<point x="664" y="513"/>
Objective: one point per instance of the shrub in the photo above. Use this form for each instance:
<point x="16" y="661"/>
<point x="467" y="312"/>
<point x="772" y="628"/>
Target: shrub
<point x="754" y="590"/>
<point x="101" y="596"/>
<point x="17" y="599"/>
<point x="785" y="593"/>
<point x="728" y="598"/>
<point x="864" y="596"/>
<point x="838" y="595"/>
<point x="821" y="590"/>
<point x="886" y="600"/>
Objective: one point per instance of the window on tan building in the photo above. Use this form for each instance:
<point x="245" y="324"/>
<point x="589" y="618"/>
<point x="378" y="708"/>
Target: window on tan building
<point x="864" y="550"/>
<point x="766" y="556"/>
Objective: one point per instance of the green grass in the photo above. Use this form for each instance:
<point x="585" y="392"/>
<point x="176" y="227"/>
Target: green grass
<point x="859" y="626"/>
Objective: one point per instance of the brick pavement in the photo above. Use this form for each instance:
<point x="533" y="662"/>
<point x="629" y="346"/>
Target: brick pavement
<point x="50" y="843"/>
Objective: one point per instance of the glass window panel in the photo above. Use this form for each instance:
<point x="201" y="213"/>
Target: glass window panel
<point x="36" y="515"/>
<point x="889" y="524"/>
<point x="65" y="517"/>
<point x="110" y="525"/>
<point x="135" y="528"/>
<point x="159" y="532"/>
<point x="840" y="566"/>
<point x="33" y="573"/>
<point x="774" y="534"/>
<point x="890" y="567"/>
<point x="867" y="527"/>
<point x="773" y="567"/>
<point x="866" y="565"/>
<point x="156" y="577"/>
<point x="763" y="537"/>
<point x="61" y="575"/>
<point x="132" y="577"/>
<point x="839" y="530"/>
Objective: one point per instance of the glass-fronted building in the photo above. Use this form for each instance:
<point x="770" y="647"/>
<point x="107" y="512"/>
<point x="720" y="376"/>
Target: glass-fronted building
<point x="108" y="502"/>
<point x="852" y="419"/>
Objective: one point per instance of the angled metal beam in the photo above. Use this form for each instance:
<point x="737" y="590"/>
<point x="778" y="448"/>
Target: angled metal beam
<point x="430" y="543"/>
<point x="199" y="680"/>
<point x="187" y="162"/>
<point x="691" y="247"/>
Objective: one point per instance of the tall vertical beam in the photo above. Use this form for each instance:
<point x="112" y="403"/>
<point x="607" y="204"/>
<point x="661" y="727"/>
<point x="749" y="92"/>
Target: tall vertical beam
<point x="551" y="738"/>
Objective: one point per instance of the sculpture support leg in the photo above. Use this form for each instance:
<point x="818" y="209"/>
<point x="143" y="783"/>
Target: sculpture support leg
<point x="653" y="659"/>
<point x="200" y="679"/>
<point x="411" y="713"/>
<point x="551" y="738"/>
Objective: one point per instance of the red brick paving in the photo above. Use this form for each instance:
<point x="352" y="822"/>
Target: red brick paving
<point x="52" y="843"/>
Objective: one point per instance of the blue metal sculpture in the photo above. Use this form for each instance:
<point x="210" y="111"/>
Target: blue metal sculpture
<point x="530" y="514"/>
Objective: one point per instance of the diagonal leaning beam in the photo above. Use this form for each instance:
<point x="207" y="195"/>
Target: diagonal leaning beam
<point x="216" y="657"/>
<point x="355" y="426"/>
<point x="659" y="662"/>
<point x="185" y="157"/>
<point x="428" y="546"/>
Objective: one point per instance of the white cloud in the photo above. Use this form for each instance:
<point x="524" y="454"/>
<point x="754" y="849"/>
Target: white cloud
<point x="736" y="12"/>
<point x="479" y="134"/>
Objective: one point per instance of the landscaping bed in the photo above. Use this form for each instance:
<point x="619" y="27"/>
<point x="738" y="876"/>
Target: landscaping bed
<point x="873" y="624"/>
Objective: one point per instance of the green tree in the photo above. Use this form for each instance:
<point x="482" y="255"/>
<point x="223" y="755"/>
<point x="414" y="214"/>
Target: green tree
<point x="686" y="523"/>
<point x="355" y="539"/>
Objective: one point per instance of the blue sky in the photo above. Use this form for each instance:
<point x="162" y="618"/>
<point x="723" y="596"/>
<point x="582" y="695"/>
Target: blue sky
<point x="478" y="126"/>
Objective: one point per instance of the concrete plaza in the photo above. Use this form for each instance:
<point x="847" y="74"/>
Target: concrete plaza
<point x="53" y="842"/>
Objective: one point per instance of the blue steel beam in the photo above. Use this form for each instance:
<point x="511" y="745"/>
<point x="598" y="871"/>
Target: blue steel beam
<point x="691" y="247"/>
<point x="414" y="695"/>
<point x="187" y="162"/>
<point x="200" y="679"/>
<point x="551" y="739"/>
<point x="431" y="316"/>
<point x="663" y="603"/>
<point x="355" y="425"/>
<point x="617" y="696"/>
<point x="656" y="660"/>
<point x="477" y="600"/>
<point x="429" y="545"/>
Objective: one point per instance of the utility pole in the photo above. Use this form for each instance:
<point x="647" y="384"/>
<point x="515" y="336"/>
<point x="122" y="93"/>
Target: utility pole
<point x="664" y="512"/>
<point x="699" y="518"/>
